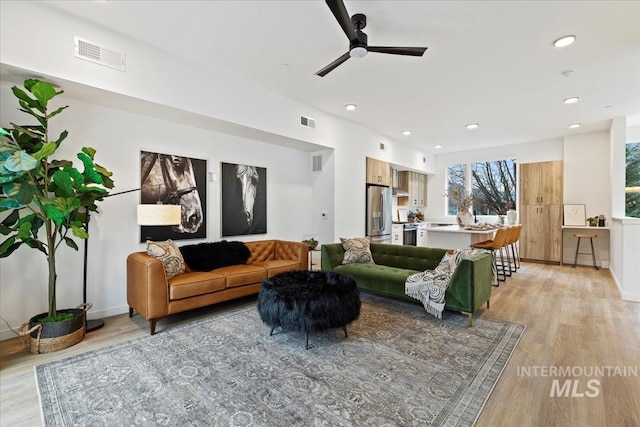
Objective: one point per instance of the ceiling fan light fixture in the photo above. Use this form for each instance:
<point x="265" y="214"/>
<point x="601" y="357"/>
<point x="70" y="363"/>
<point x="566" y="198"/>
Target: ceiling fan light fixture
<point x="358" y="52"/>
<point x="564" y="41"/>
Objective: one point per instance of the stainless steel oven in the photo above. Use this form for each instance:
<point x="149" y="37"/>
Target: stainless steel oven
<point x="410" y="234"/>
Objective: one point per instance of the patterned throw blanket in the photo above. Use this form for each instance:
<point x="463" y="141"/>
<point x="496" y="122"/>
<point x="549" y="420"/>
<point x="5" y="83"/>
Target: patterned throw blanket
<point x="430" y="286"/>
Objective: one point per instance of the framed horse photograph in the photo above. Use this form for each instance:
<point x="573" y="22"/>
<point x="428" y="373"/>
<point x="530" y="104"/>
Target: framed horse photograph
<point x="175" y="180"/>
<point x="244" y="199"/>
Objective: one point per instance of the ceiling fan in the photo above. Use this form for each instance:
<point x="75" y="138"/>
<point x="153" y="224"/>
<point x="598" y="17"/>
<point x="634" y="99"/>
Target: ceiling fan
<point x="358" y="47"/>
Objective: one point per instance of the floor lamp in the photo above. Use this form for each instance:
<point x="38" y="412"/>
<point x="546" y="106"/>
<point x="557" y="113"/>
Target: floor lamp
<point x="147" y="214"/>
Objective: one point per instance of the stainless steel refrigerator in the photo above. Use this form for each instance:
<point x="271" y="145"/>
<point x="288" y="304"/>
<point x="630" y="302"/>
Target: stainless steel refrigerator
<point x="379" y="214"/>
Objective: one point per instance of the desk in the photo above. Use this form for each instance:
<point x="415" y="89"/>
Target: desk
<point x="600" y="244"/>
<point x="455" y="237"/>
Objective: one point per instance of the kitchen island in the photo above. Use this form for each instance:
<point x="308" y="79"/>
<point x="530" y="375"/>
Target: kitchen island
<point x="455" y="237"/>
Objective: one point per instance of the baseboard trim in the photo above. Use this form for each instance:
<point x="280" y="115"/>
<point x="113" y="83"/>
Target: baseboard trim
<point x="7" y="333"/>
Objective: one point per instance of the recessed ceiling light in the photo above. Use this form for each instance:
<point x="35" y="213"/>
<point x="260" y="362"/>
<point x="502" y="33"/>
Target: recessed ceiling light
<point x="437" y="147"/>
<point x="571" y="100"/>
<point x="472" y="126"/>
<point x="284" y="65"/>
<point x="350" y="107"/>
<point x="564" y="41"/>
<point x="575" y="125"/>
<point x="406" y="133"/>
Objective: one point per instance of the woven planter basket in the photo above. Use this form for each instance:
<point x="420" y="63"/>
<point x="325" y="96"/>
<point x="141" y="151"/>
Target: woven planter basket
<point x="54" y="336"/>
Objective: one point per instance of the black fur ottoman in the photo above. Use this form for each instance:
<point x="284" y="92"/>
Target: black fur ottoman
<point x="309" y="301"/>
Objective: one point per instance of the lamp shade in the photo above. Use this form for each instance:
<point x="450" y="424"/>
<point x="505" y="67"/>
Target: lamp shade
<point x="159" y="214"/>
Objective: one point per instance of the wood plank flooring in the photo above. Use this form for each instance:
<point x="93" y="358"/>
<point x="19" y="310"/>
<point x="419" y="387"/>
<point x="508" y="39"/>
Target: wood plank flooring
<point x="575" y="319"/>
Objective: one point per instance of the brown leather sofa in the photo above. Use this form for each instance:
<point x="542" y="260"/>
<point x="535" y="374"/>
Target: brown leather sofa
<point x="154" y="297"/>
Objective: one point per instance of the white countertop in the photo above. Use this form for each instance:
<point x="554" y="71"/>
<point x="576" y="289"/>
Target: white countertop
<point x="457" y="229"/>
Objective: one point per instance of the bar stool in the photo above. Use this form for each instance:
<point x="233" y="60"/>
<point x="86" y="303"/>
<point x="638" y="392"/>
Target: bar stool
<point x="593" y="252"/>
<point x="512" y="236"/>
<point x="514" y="247"/>
<point x="494" y="245"/>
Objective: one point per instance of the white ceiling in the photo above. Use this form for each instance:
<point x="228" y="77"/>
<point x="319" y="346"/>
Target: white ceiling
<point x="489" y="62"/>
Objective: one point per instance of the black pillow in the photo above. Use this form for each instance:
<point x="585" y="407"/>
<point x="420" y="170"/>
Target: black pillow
<point x="212" y="255"/>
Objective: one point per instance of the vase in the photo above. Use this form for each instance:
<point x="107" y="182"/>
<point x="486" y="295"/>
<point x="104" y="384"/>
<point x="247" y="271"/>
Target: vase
<point x="511" y="216"/>
<point x="464" y="218"/>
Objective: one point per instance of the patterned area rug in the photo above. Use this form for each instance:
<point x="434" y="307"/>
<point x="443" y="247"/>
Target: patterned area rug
<point x="398" y="367"/>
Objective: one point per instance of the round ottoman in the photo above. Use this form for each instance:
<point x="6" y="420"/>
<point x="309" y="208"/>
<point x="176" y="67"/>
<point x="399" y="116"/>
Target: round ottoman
<point x="309" y="301"/>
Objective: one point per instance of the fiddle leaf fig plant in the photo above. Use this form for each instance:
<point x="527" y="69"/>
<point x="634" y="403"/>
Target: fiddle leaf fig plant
<point x="45" y="201"/>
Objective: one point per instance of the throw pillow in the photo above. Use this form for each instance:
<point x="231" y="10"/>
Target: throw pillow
<point x="169" y="254"/>
<point x="357" y="250"/>
<point x="211" y="255"/>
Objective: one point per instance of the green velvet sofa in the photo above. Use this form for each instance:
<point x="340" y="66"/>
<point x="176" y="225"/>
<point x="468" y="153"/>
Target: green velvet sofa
<point x="470" y="285"/>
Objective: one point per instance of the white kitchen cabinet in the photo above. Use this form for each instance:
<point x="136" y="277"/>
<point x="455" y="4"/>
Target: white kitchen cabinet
<point x="421" y="239"/>
<point x="397" y="234"/>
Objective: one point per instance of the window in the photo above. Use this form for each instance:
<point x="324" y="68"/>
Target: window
<point x="456" y="177"/>
<point x="632" y="190"/>
<point x="493" y="185"/>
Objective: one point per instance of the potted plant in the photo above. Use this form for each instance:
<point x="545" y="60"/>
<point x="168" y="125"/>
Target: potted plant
<point x="312" y="242"/>
<point x="46" y="202"/>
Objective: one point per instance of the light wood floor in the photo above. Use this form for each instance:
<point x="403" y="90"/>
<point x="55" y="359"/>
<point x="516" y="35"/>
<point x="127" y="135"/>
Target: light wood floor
<point x="574" y="318"/>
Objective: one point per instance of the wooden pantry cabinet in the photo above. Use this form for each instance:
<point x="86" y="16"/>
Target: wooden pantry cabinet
<point x="541" y="201"/>
<point x="415" y="184"/>
<point x="378" y="172"/>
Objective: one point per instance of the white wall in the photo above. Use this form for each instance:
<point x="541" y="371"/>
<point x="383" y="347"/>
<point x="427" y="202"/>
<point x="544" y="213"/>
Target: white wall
<point x="164" y="103"/>
<point x="625" y="232"/>
<point x="538" y="151"/>
<point x="587" y="181"/>
<point x="118" y="137"/>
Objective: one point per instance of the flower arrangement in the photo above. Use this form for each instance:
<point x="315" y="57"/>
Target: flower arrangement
<point x="461" y="199"/>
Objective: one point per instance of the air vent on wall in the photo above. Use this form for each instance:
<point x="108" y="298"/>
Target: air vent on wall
<point x="317" y="163"/>
<point x="383" y="147"/>
<point x="308" y="122"/>
<point x="90" y="51"/>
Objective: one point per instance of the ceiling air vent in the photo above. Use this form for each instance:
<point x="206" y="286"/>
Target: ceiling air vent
<point x="317" y="163"/>
<point x="308" y="122"/>
<point x="92" y="52"/>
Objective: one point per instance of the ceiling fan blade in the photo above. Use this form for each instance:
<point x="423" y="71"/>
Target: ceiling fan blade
<point x="333" y="65"/>
<point x="342" y="16"/>
<point x="394" y="50"/>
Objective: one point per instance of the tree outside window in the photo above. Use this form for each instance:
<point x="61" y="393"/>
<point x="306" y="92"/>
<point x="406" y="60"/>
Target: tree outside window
<point x="493" y="185"/>
<point x="632" y="196"/>
<point x="456" y="178"/>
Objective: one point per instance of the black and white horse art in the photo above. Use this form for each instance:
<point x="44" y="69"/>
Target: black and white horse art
<point x="244" y="199"/>
<point x="248" y="176"/>
<point x="171" y="180"/>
